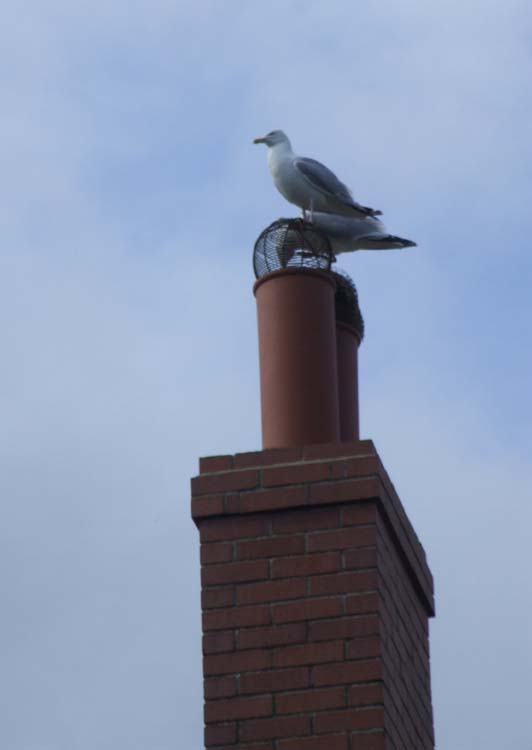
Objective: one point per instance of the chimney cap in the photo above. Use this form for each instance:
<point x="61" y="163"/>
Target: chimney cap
<point x="291" y="243"/>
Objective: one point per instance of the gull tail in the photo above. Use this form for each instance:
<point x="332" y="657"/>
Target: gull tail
<point x="400" y="241"/>
<point x="377" y="241"/>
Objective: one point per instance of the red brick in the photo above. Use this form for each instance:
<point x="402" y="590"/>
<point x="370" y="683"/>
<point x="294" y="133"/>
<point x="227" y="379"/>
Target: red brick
<point x="295" y="474"/>
<point x="362" y="603"/>
<point x="265" y="729"/>
<point x="238" y="708"/>
<point x="365" y="557"/>
<point x="343" y="627"/>
<point x="289" y="588"/>
<point x="280" y="498"/>
<point x="216" y="552"/>
<point x="236" y="617"/>
<point x="368" y="741"/>
<point x="356" y="536"/>
<point x="310" y="700"/>
<point x="267" y="457"/>
<point x="218" y="642"/>
<point x="306" y="520"/>
<point x="223" y="734"/>
<point x="359" y="466"/>
<point x="275" y="636"/>
<point x="367" y="718"/>
<point x="343" y="583"/>
<point x="308" y="609"/>
<point x="326" y="562"/>
<point x="366" y="695"/>
<point x="343" y="491"/>
<point x="360" y="513"/>
<point x="211" y="464"/>
<point x="208" y="484"/>
<point x="363" y="648"/>
<point x="240" y="661"/>
<point x="253" y="570"/>
<point x="308" y="653"/>
<point x="208" y="505"/>
<point x="335" y="450"/>
<point x="224" y="529"/>
<point x="328" y="742"/>
<point x="291" y="640"/>
<point x="219" y="687"/>
<point x="219" y="597"/>
<point x="273" y="547"/>
<point x="275" y="680"/>
<point x="350" y="671"/>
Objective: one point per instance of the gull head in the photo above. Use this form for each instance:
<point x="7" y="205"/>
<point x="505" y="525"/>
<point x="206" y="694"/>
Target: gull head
<point x="273" y="138"/>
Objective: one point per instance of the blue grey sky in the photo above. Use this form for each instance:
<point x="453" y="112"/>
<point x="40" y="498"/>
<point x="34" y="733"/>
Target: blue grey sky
<point x="131" y="198"/>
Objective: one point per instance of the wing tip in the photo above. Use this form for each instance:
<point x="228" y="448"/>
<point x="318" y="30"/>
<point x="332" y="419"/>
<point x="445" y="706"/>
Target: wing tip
<point x="401" y="242"/>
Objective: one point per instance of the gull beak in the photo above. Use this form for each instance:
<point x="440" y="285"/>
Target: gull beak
<point x="259" y="140"/>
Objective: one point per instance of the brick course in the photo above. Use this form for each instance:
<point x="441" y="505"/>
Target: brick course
<point x="254" y="570"/>
<point x="344" y="627"/>
<point x="274" y="680"/>
<point x="274" y="636"/>
<point x="238" y="708"/>
<point x="219" y="687"/>
<point x="310" y="700"/>
<point x="329" y="742"/>
<point x="308" y="609"/>
<point x="316" y="597"/>
<point x="306" y="565"/>
<point x="285" y="726"/>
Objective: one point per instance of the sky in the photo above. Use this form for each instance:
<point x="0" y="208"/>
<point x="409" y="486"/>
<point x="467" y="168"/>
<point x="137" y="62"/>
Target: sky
<point x="131" y="197"/>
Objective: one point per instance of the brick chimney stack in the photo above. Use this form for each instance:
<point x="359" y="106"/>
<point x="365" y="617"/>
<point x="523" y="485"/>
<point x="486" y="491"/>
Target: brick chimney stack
<point x="316" y="593"/>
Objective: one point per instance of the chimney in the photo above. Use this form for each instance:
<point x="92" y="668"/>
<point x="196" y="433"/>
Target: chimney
<point x="316" y="592"/>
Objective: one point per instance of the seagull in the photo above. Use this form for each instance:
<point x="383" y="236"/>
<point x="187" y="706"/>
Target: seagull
<point x="307" y="183"/>
<point x="347" y="234"/>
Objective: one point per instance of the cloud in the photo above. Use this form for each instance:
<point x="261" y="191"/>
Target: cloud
<point x="131" y="198"/>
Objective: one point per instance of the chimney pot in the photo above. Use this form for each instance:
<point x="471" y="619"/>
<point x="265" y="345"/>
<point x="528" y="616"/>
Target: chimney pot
<point x="297" y="353"/>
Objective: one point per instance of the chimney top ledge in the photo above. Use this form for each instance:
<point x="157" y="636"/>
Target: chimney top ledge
<point x="274" y="456"/>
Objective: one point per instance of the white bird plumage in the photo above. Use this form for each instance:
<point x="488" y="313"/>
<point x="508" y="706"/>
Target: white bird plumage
<point x="307" y="183"/>
<point x="347" y="234"/>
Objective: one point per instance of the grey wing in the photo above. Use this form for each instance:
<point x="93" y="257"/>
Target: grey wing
<point x="322" y="178"/>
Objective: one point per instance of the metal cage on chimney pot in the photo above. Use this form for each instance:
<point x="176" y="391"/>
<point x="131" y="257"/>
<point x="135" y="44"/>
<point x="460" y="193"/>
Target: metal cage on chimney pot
<point x="291" y="243"/>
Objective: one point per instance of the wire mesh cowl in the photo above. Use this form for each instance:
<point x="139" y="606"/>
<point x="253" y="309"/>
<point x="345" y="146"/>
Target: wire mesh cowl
<point x="291" y="243"/>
